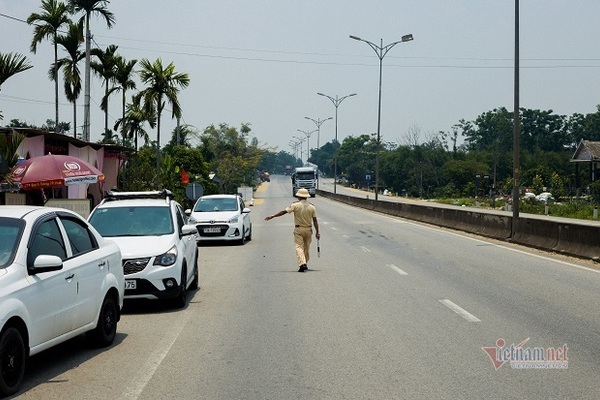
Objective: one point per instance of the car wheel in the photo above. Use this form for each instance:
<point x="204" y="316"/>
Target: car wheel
<point x="180" y="300"/>
<point x="242" y="240"/>
<point x="250" y="233"/>
<point x="106" y="330"/>
<point x="194" y="284"/>
<point x="12" y="361"/>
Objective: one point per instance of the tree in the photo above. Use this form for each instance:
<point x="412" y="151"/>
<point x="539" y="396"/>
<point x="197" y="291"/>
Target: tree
<point x="69" y="65"/>
<point x="12" y="64"/>
<point x="9" y="143"/>
<point x="136" y="116"/>
<point x="89" y="8"/>
<point x="55" y="14"/>
<point x="105" y="69"/>
<point x="164" y="84"/>
<point x="230" y="156"/>
<point x="123" y="79"/>
<point x="356" y="159"/>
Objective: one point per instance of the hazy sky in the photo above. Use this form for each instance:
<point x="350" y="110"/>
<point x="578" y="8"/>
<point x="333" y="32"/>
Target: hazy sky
<point x="263" y="62"/>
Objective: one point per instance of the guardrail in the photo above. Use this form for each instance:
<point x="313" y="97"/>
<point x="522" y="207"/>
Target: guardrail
<point x="574" y="238"/>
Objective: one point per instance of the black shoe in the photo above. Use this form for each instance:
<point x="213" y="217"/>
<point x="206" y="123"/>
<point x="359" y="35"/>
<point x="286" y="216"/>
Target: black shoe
<point x="303" y="268"/>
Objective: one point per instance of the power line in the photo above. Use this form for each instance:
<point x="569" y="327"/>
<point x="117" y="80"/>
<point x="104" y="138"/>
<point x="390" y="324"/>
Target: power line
<point x="274" y="60"/>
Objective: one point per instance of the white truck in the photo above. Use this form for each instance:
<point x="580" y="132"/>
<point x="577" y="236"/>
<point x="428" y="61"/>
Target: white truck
<point x="307" y="178"/>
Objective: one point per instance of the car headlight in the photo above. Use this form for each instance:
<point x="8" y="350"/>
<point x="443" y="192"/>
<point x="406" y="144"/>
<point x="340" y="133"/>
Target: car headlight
<point x="192" y="220"/>
<point x="167" y="259"/>
<point x="234" y="219"/>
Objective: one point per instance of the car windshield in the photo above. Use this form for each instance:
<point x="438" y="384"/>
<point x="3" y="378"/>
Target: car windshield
<point x="305" y="175"/>
<point x="10" y="235"/>
<point x="216" y="204"/>
<point x="132" y="221"/>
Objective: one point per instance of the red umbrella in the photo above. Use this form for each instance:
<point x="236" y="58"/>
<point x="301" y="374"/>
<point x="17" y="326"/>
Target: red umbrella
<point x="54" y="170"/>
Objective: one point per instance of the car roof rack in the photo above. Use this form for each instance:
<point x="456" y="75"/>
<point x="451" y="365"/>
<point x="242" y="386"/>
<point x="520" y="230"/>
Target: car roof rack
<point x="112" y="195"/>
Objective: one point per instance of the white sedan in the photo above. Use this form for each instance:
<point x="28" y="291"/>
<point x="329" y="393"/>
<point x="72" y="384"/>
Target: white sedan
<point x="221" y="217"/>
<point x="59" y="278"/>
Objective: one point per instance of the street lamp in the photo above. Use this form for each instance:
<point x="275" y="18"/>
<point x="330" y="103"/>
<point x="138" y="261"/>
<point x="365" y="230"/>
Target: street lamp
<point x="300" y="141"/>
<point x="307" y="134"/>
<point x="381" y="51"/>
<point x="336" y="102"/>
<point x="318" y="122"/>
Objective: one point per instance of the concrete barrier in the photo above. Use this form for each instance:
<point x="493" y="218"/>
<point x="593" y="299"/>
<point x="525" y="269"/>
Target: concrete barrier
<point x="572" y="238"/>
<point x="579" y="240"/>
<point x="536" y="233"/>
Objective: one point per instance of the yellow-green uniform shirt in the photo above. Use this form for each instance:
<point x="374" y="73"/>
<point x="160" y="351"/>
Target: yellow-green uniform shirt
<point x="303" y="213"/>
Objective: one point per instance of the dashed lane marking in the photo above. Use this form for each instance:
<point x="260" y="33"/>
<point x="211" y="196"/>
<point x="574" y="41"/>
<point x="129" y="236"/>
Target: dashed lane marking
<point x="460" y="311"/>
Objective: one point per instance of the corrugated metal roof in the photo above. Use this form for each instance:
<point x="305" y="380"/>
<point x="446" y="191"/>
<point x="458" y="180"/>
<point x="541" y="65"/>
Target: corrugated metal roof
<point x="587" y="151"/>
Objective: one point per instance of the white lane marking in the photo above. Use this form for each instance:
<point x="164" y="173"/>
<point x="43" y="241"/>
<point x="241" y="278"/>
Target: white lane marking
<point x="346" y="236"/>
<point x="463" y="313"/>
<point x="145" y="371"/>
<point x="398" y="270"/>
<point x="365" y="249"/>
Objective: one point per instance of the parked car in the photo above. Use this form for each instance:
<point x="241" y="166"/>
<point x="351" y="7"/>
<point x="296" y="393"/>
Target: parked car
<point x="160" y="256"/>
<point x="221" y="217"/>
<point x="59" y="278"/>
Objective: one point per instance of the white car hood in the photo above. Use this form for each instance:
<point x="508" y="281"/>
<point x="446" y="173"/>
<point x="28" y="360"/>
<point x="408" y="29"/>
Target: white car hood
<point x="143" y="246"/>
<point x="220" y="216"/>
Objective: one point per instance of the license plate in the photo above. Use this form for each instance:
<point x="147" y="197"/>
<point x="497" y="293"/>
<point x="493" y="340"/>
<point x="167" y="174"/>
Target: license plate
<point x="212" y="230"/>
<point x="129" y="285"/>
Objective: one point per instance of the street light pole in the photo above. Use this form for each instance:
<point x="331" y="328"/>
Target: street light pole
<point x="516" y="132"/>
<point x="307" y="134"/>
<point x="318" y="122"/>
<point x="300" y="141"/>
<point x="336" y="102"/>
<point x="381" y="51"/>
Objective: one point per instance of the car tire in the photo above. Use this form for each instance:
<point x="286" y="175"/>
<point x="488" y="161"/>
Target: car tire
<point x="13" y="358"/>
<point x="106" y="330"/>
<point x="242" y="240"/>
<point x="250" y="233"/>
<point x="195" y="281"/>
<point x="181" y="299"/>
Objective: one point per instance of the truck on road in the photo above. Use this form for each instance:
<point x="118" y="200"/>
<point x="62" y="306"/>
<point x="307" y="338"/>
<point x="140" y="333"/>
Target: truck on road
<point x="307" y="178"/>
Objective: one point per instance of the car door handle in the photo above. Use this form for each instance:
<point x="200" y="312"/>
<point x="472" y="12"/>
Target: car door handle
<point x="68" y="278"/>
<point x="102" y="264"/>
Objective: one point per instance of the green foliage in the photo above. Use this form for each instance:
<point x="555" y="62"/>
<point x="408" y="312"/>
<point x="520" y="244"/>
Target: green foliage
<point x="230" y="156"/>
<point x="595" y="192"/>
<point x="538" y="184"/>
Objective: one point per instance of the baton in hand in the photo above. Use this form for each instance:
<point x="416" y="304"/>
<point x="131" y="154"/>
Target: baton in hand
<point x="318" y="248"/>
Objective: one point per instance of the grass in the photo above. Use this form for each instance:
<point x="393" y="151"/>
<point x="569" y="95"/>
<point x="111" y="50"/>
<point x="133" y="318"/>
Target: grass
<point x="572" y="208"/>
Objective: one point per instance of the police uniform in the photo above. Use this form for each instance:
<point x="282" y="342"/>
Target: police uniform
<point x="304" y="212"/>
<point x="305" y="215"/>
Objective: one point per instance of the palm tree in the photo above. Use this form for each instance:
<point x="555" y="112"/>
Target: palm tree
<point x="105" y="69"/>
<point x="132" y="123"/>
<point x="124" y="81"/>
<point x="8" y="153"/>
<point x="11" y="64"/>
<point x="47" y="24"/>
<point x="72" y="77"/>
<point x="89" y="7"/>
<point x="163" y="84"/>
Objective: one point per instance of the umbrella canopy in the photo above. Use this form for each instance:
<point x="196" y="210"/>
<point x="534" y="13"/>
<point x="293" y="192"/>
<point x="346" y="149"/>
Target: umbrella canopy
<point x="54" y="170"/>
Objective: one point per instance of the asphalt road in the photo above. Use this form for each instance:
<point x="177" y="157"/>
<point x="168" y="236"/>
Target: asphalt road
<point x="390" y="310"/>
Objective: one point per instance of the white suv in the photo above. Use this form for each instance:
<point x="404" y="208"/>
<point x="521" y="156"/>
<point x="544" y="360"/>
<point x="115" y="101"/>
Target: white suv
<point x="58" y="279"/>
<point x="160" y="256"/>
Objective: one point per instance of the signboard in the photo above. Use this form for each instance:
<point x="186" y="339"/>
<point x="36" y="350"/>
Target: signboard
<point x="80" y="206"/>
<point x="194" y="191"/>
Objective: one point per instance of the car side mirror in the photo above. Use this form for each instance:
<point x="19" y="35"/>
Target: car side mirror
<point x="246" y="210"/>
<point x="45" y="263"/>
<point x="188" y="230"/>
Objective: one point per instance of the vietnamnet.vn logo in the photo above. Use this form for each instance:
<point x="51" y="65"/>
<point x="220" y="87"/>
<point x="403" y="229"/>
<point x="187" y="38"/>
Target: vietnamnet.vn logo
<point x="520" y="357"/>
